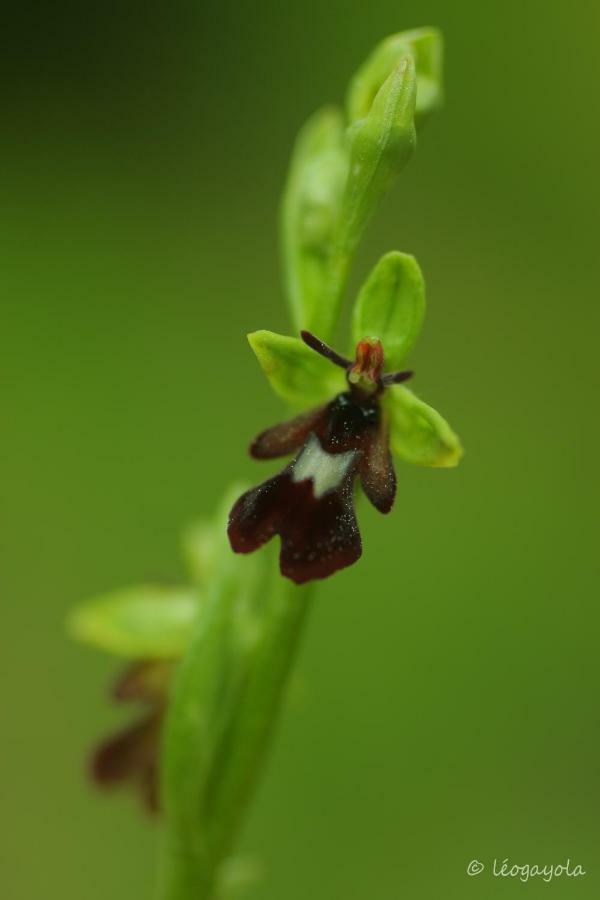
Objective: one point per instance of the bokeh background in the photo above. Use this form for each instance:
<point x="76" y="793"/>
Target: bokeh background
<point x="445" y="705"/>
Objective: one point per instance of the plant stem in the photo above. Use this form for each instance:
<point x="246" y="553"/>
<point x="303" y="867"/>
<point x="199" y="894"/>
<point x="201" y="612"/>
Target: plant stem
<point x="209" y="776"/>
<point x="326" y="313"/>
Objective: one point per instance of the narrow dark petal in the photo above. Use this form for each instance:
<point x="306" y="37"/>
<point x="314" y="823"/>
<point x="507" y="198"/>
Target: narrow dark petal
<point x="131" y="756"/>
<point x="286" y="437"/>
<point x="127" y="753"/>
<point x="396" y="377"/>
<point x="146" y="681"/>
<point x="325" y="350"/>
<point x="377" y="475"/>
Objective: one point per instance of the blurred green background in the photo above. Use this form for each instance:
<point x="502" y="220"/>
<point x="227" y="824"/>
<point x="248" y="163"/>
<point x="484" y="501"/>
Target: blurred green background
<point x="446" y="696"/>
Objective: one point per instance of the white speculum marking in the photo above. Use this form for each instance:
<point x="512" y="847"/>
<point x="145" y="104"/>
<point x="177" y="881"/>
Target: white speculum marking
<point x="326" y="469"/>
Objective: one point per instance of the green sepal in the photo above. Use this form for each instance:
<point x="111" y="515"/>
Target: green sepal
<point x="425" y="45"/>
<point x="418" y="434"/>
<point x="295" y="372"/>
<point x="391" y="306"/>
<point x="311" y="209"/>
<point x="381" y="144"/>
<point x="145" y="622"/>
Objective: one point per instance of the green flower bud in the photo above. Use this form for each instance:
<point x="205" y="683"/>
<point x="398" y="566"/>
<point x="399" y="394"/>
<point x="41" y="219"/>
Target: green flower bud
<point x="425" y="46"/>
<point x="391" y="306"/>
<point x="381" y="144"/>
<point x="297" y="374"/>
<point x="418" y="434"/>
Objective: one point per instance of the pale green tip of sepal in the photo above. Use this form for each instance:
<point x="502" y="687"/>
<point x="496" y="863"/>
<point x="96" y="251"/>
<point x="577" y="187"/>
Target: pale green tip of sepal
<point x="310" y="210"/>
<point x="296" y="373"/>
<point x="418" y="433"/>
<point x="425" y="46"/>
<point x="142" y="622"/>
<point x="391" y="306"/>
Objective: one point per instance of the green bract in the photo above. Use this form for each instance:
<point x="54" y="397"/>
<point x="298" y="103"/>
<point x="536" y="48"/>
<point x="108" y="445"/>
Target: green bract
<point x="418" y="434"/>
<point x="295" y="373"/>
<point x="144" y="622"/>
<point x="391" y="306"/>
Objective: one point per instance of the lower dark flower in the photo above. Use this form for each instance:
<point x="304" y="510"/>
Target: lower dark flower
<point x="131" y="755"/>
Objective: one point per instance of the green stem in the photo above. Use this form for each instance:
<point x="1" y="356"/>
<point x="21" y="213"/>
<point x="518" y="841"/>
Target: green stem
<point x="218" y="730"/>
<point x="262" y="696"/>
<point x="326" y="312"/>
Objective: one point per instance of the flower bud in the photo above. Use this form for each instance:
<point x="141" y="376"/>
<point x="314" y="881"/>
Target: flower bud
<point x="380" y="146"/>
<point x="425" y="47"/>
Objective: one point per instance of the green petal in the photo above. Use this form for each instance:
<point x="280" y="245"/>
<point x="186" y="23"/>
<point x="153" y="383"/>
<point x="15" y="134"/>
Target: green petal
<point x="296" y="373"/>
<point x="418" y="434"/>
<point x="391" y="306"/>
<point x="144" y="622"/>
<point x="310" y="211"/>
<point x="425" y="45"/>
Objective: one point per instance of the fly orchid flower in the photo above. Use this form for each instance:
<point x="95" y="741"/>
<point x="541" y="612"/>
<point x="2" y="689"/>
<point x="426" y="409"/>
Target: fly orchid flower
<point x="310" y="504"/>
<point x="131" y="755"/>
<point x="150" y="626"/>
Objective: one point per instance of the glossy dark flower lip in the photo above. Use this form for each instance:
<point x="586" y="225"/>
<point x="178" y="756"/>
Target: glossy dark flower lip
<point x="131" y="754"/>
<point x="310" y="504"/>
